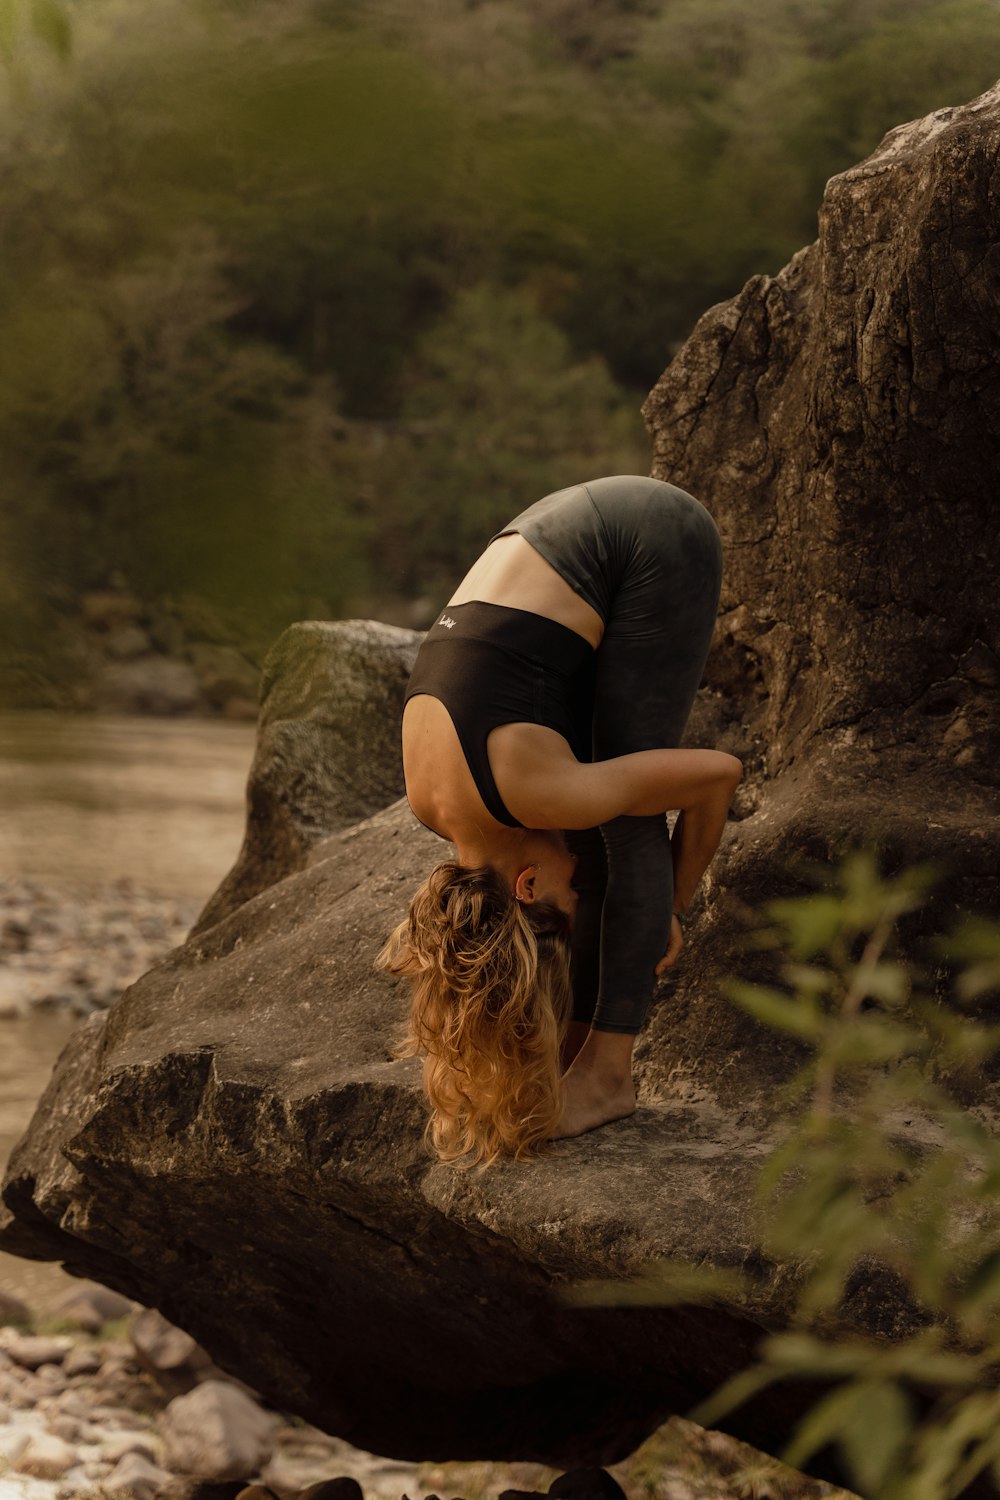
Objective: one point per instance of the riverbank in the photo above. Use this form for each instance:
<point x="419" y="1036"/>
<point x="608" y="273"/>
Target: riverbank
<point x="76" y="951"/>
<point x="116" y="830"/>
<point x="101" y="1399"/>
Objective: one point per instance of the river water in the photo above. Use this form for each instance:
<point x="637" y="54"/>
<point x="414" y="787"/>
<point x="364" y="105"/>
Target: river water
<point x="154" y="806"/>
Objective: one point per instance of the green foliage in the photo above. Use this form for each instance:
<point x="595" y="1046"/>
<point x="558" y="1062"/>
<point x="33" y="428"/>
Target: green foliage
<point x="495" y="410"/>
<point x="23" y="21"/>
<point x="300" y="300"/>
<point x="882" y="1178"/>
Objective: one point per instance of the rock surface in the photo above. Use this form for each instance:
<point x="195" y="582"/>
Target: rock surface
<point x="243" y="1092"/>
<point x="842" y="420"/>
<point x="328" y="748"/>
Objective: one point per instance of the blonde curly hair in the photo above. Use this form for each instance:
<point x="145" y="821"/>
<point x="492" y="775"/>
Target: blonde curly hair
<point x="490" y="1003"/>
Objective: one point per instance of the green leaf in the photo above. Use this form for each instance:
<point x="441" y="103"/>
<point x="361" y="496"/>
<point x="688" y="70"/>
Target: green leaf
<point x="877" y="1431"/>
<point x="812" y="922"/>
<point x="742" y="1387"/>
<point x="973" y="937"/>
<point x="51" y="24"/>
<point x="982" y="1286"/>
<point x="801" y="1018"/>
<point x="668" y="1283"/>
<point x="823" y="1423"/>
<point x="802" y="1354"/>
<point x="9" y="26"/>
<point x="870" y="1039"/>
<point x="809" y="978"/>
<point x="979" y="979"/>
<point x="888" y="982"/>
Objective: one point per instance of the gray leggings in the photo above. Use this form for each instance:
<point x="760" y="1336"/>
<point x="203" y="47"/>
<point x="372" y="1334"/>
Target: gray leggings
<point x="648" y="557"/>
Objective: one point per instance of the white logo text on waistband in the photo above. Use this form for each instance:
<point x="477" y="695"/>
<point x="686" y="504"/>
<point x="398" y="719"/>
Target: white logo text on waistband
<point x="446" y="621"/>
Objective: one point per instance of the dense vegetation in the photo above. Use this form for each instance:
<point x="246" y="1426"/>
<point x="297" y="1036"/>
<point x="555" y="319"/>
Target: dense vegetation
<point x="301" y="299"/>
<point x="883" y="1190"/>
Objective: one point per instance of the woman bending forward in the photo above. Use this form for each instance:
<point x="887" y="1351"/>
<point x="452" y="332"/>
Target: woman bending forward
<point x="539" y="734"/>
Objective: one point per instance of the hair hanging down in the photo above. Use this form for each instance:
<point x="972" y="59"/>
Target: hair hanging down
<point x="490" y="1003"/>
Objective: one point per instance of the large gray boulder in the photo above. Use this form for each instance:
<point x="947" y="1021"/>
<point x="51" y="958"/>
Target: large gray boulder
<point x="234" y="1145"/>
<point x="328" y="747"/>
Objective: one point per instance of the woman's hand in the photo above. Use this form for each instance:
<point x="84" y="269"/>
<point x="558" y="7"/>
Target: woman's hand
<point x="673" y="950"/>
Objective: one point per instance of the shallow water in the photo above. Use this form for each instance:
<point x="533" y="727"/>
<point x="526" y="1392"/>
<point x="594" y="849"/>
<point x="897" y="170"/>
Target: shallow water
<point x="85" y="802"/>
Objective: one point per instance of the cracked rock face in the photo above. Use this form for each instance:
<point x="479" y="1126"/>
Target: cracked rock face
<point x="233" y="1143"/>
<point x="842" y="422"/>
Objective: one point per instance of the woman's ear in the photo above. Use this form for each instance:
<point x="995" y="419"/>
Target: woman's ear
<point x="524" y="885"/>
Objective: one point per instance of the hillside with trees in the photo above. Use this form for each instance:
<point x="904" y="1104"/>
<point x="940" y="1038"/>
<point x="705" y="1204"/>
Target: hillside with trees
<point x="300" y="301"/>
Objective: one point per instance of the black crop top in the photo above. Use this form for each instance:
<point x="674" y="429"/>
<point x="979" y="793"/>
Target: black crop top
<point x="490" y="664"/>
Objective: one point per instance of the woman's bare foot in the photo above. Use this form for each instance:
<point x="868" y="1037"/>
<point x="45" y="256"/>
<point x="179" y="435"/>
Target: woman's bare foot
<point x="598" y="1086"/>
<point x="587" y="1103"/>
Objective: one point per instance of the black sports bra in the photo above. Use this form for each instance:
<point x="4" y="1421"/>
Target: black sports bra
<point x="491" y="664"/>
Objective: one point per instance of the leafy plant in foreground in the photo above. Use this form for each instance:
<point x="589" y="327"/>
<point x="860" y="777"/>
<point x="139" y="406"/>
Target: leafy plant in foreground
<point x="882" y="1179"/>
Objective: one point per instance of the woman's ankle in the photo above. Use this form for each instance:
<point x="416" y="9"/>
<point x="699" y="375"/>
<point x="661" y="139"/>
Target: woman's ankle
<point x="607" y="1057"/>
<point x="577" y="1033"/>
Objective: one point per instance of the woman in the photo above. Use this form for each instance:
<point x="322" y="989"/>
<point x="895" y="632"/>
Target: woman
<point x="539" y="734"/>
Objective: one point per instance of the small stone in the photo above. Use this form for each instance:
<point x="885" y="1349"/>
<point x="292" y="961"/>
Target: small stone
<point x="120" y="1443"/>
<point x="70" y="1429"/>
<point x="134" y="1477"/>
<point x="120" y="1416"/>
<point x="172" y="1357"/>
<point x="243" y="710"/>
<point x="32" y="1350"/>
<point x="73" y="1404"/>
<point x="586" y="1484"/>
<point x="90" y="1306"/>
<point x="117" y="1349"/>
<point x="46" y="1456"/>
<point x="151" y="684"/>
<point x="12" y="1445"/>
<point x="126" y="642"/>
<point x="106" y="610"/>
<point x="161" y="1345"/>
<point x="257" y="1492"/>
<point x="82" y="1360"/>
<point x="12" y="1309"/>
<point x="16" y="1397"/>
<point x="216" y="1432"/>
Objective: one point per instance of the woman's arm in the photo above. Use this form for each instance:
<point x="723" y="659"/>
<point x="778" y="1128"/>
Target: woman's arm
<point x="560" y="792"/>
<point x="696" y="836"/>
